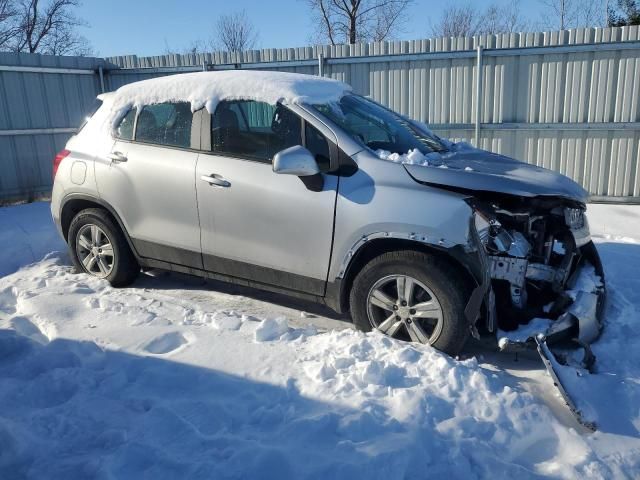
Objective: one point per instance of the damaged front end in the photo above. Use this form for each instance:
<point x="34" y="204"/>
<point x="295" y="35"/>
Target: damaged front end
<point x="546" y="288"/>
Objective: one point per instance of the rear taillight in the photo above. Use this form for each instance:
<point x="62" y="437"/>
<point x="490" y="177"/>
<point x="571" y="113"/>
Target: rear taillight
<point x="56" y="161"/>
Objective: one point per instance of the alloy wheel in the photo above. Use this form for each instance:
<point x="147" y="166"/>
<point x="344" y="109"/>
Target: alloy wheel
<point x="402" y="307"/>
<point x="95" y="251"/>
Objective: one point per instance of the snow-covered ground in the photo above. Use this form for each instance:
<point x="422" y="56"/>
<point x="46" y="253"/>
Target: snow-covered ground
<point x="181" y="378"/>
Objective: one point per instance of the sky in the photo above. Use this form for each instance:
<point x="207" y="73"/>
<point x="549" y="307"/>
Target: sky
<point x="150" y="27"/>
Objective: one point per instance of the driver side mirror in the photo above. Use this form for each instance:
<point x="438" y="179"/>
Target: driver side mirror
<point x="296" y="161"/>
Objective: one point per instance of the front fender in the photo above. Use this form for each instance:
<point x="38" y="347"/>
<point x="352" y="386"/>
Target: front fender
<point x="382" y="201"/>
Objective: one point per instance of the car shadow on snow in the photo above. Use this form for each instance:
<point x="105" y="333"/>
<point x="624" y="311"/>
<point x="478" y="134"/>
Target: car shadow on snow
<point x="71" y="409"/>
<point x="164" y="280"/>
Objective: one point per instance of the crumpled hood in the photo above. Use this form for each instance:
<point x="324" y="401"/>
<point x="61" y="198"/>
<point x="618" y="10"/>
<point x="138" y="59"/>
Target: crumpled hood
<point x="478" y="170"/>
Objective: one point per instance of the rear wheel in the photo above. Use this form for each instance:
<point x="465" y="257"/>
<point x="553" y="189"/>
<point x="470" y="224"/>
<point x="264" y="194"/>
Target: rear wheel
<point x="412" y="296"/>
<point x="98" y="247"/>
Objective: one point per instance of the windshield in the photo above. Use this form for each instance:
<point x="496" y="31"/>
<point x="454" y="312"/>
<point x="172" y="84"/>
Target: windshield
<point x="380" y="128"/>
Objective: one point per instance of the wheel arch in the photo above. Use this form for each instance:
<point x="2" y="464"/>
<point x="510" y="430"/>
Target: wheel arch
<point x="454" y="256"/>
<point x="75" y="203"/>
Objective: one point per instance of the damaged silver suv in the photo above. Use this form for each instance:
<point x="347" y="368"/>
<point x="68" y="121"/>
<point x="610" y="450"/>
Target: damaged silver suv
<point x="292" y="183"/>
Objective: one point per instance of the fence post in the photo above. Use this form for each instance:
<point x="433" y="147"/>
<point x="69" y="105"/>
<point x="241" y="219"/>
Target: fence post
<point x="320" y="64"/>
<point x="101" y="74"/>
<point x="478" y="95"/>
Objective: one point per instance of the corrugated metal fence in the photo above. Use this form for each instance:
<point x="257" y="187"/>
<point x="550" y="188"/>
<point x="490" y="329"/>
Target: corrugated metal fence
<point x="42" y="102"/>
<point x="566" y="100"/>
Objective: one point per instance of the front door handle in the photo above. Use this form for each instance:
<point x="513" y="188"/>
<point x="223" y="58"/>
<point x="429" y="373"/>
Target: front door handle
<point x="215" y="180"/>
<point x="117" y="157"/>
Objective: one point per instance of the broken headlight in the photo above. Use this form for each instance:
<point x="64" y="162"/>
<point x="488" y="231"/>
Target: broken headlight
<point x="497" y="239"/>
<point x="576" y="220"/>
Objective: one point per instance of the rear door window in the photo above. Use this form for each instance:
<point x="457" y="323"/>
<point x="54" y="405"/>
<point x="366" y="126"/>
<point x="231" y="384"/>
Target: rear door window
<point x="165" y="124"/>
<point x="254" y="130"/>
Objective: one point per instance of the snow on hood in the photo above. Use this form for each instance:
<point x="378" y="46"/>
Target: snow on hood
<point x="412" y="157"/>
<point x="432" y="159"/>
<point x="469" y="168"/>
<point x="466" y="167"/>
<point x="207" y="89"/>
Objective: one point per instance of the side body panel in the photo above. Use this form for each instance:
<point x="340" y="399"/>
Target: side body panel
<point x="153" y="192"/>
<point x="264" y="223"/>
<point x="266" y="227"/>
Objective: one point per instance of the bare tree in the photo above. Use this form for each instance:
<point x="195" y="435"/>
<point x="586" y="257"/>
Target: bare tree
<point x="8" y="27"/>
<point x="352" y="21"/>
<point x="503" y="18"/>
<point x="37" y="26"/>
<point x="63" y="40"/>
<point x="566" y="14"/>
<point x="38" y="22"/>
<point x="593" y="13"/>
<point x="466" y="20"/>
<point x="561" y="14"/>
<point x="457" y="21"/>
<point x="235" y="33"/>
<point x="195" y="46"/>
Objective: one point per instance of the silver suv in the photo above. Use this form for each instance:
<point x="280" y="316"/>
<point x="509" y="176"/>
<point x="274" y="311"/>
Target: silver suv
<point x="292" y="183"/>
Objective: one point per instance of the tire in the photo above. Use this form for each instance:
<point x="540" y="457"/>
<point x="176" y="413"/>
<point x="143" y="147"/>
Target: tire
<point x="433" y="278"/>
<point x="122" y="267"/>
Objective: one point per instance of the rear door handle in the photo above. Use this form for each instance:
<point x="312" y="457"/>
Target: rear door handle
<point x="117" y="157"/>
<point x="215" y="180"/>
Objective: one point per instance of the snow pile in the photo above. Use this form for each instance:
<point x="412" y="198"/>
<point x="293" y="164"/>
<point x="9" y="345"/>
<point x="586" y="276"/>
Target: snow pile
<point x="206" y="89"/>
<point x="271" y="329"/>
<point x="226" y="321"/>
<point x="169" y="379"/>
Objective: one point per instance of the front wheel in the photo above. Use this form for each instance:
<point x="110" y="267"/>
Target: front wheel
<point x="98" y="247"/>
<point x="412" y="296"/>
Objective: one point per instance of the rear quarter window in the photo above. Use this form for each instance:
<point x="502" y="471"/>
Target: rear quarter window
<point x="97" y="103"/>
<point x="124" y="129"/>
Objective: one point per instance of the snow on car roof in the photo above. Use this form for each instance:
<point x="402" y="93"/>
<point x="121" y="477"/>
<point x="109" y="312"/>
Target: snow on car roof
<point x="206" y="89"/>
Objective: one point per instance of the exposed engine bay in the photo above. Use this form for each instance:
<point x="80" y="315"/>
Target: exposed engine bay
<point x="537" y="252"/>
<point x="547" y="282"/>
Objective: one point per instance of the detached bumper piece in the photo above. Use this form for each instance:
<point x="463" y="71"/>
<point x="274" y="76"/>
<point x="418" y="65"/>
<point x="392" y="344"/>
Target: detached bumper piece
<point x="554" y="369"/>
<point x="559" y="342"/>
